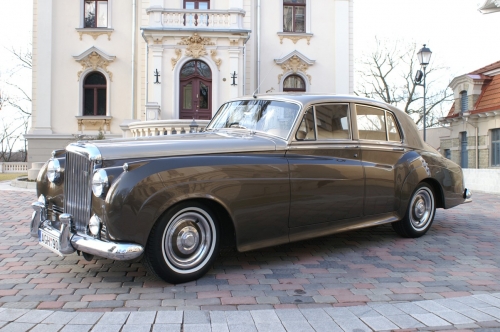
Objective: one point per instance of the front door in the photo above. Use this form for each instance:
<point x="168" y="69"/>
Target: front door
<point x="195" y="91"/>
<point x="326" y="174"/>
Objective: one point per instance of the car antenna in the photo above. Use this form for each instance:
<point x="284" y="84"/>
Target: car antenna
<point x="253" y="94"/>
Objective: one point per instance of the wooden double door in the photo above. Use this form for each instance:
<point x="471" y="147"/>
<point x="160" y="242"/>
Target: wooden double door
<point x="195" y="91"/>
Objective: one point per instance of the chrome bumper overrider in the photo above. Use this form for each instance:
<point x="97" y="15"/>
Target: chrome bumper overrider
<point x="70" y="242"/>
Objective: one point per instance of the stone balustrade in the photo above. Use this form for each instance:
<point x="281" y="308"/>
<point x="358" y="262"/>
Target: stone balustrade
<point x="199" y="18"/>
<point x="13" y="167"/>
<point x="165" y="127"/>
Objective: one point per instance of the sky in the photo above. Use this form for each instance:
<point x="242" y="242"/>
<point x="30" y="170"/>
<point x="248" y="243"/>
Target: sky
<point x="459" y="36"/>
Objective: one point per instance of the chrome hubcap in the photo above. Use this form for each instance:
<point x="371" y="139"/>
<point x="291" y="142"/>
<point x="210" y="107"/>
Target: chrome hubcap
<point x="422" y="208"/>
<point x="187" y="240"/>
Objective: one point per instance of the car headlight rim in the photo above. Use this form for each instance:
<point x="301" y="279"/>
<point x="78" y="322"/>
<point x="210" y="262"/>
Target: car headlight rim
<point x="100" y="183"/>
<point x="53" y="170"/>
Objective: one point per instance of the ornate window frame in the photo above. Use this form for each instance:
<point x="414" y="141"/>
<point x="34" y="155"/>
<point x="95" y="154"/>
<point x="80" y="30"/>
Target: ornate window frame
<point x="95" y="32"/>
<point x="94" y="60"/>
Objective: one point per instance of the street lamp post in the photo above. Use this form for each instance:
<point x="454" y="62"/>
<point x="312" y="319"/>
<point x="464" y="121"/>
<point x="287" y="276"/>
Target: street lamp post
<point x="424" y="57"/>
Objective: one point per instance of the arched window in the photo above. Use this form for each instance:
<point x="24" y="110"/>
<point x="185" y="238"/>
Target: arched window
<point x="294" y="83"/>
<point x="464" y="101"/>
<point x="94" y="94"/>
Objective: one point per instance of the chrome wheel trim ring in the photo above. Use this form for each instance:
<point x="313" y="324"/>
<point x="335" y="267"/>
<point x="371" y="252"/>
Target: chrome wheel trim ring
<point x="188" y="241"/>
<point x="421" y="209"/>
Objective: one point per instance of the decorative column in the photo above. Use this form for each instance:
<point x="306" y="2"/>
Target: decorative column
<point x="234" y="65"/>
<point x="41" y="120"/>
<point x="156" y="74"/>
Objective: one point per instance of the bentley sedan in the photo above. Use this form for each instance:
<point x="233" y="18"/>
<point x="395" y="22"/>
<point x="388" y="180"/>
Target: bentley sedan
<point x="267" y="170"/>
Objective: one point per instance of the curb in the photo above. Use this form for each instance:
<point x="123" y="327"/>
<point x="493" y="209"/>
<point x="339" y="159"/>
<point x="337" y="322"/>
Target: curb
<point x="23" y="182"/>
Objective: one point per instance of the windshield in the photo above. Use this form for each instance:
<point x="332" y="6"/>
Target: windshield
<point x="268" y="116"/>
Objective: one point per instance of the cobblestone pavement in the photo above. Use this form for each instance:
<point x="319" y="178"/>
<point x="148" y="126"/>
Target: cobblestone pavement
<point x="364" y="274"/>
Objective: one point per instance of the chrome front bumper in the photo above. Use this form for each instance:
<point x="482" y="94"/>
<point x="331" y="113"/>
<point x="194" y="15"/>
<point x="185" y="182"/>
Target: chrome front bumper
<point x="70" y="242"/>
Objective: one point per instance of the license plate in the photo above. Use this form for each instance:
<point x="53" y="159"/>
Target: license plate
<point x="49" y="241"/>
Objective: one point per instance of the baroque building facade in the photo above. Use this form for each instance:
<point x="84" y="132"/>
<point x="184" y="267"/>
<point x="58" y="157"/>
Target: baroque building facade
<point x="149" y="67"/>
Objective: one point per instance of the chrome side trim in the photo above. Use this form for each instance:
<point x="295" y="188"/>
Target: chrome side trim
<point x="467" y="196"/>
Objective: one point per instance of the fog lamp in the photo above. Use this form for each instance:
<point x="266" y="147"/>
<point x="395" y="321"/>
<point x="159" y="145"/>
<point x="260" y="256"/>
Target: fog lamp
<point x="94" y="225"/>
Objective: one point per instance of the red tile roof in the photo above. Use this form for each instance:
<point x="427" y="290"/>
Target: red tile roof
<point x="489" y="99"/>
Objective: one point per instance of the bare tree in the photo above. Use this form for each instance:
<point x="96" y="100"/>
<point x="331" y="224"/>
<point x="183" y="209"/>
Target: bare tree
<point x="15" y="98"/>
<point x="388" y="74"/>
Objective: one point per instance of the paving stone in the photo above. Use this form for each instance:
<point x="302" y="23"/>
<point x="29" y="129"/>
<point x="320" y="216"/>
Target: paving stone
<point x="405" y="321"/>
<point x="34" y="316"/>
<point x="114" y="318"/>
<point x="136" y="328"/>
<point x="141" y="318"/>
<point x="84" y="318"/>
<point x="196" y="317"/>
<point x="47" y="328"/>
<point x="430" y="319"/>
<point x="379" y="323"/>
<point x="196" y="327"/>
<point x="17" y="327"/>
<point x="167" y="328"/>
<point x="169" y="317"/>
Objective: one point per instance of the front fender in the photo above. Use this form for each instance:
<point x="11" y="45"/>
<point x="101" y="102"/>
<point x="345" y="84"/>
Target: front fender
<point x="253" y="189"/>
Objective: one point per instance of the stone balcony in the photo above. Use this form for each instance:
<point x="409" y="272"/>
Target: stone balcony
<point x="189" y="19"/>
<point x="163" y="127"/>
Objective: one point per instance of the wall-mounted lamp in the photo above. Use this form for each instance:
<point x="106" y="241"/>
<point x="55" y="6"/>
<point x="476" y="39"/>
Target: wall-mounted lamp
<point x="233" y="76"/>
<point x="157" y="76"/>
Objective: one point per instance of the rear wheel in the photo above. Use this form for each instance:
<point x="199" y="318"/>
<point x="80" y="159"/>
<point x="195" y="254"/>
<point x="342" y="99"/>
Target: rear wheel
<point x="419" y="214"/>
<point x="183" y="244"/>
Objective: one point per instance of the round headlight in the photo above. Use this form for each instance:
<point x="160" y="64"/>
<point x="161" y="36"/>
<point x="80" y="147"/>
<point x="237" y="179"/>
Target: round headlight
<point x="99" y="182"/>
<point x="53" y="170"/>
<point x="94" y="225"/>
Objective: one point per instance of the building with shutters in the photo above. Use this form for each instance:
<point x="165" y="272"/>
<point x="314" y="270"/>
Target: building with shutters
<point x="149" y="67"/>
<point x="474" y="119"/>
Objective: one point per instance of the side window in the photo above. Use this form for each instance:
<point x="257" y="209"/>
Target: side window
<point x="371" y="123"/>
<point x="95" y="14"/>
<point x="294" y="12"/>
<point x="332" y="121"/>
<point x="306" y="129"/>
<point x="392" y="128"/>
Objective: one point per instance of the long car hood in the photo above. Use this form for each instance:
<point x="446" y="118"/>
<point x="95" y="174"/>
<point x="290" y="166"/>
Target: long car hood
<point x="183" y="144"/>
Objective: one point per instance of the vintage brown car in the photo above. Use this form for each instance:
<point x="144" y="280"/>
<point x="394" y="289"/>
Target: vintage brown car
<point x="267" y="170"/>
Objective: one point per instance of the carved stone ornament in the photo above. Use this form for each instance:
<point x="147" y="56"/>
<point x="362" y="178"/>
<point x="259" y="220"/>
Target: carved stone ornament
<point x="295" y="64"/>
<point x="178" y="52"/>
<point x="94" y="58"/>
<point x="295" y="39"/>
<point x="94" y="33"/>
<point x="195" y="45"/>
<point x="94" y="124"/>
<point x="217" y="61"/>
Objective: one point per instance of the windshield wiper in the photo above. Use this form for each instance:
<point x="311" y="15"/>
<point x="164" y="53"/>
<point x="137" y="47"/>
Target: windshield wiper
<point x="236" y="125"/>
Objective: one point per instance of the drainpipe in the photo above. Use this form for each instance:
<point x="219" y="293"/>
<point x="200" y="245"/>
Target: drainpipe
<point x="258" y="46"/>
<point x="147" y="67"/>
<point x="465" y="116"/>
<point x="134" y="27"/>
<point x="245" y="64"/>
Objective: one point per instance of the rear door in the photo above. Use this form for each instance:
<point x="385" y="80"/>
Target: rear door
<point x="381" y="149"/>
<point x="326" y="175"/>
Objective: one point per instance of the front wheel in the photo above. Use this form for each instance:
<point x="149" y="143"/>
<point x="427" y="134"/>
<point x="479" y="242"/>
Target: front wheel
<point x="183" y="244"/>
<point x="419" y="214"/>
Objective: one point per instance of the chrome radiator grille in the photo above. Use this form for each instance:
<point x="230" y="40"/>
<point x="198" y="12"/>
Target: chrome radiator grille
<point x="78" y="190"/>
